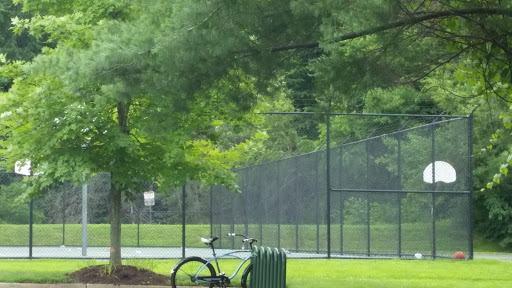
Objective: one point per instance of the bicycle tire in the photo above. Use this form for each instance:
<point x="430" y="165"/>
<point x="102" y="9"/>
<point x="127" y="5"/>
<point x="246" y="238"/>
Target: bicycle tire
<point x="246" y="276"/>
<point x="183" y="271"/>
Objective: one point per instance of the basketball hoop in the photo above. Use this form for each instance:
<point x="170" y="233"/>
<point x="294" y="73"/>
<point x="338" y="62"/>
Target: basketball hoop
<point x="444" y="172"/>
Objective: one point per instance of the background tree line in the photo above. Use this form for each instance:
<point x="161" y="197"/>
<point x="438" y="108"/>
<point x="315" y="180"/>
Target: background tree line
<point x="167" y="92"/>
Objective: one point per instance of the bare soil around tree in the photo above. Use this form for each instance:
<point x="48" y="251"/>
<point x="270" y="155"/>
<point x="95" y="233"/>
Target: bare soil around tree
<point x="119" y="275"/>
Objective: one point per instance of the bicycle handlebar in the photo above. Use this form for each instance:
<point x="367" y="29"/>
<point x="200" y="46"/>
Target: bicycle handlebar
<point x="235" y="234"/>
<point x="242" y="235"/>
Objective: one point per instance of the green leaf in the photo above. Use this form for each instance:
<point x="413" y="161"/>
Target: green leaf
<point x="497" y="178"/>
<point x="504" y="169"/>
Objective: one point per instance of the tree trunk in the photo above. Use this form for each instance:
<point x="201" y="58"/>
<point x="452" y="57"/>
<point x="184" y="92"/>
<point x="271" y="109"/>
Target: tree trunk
<point x="115" y="226"/>
<point x="115" y="193"/>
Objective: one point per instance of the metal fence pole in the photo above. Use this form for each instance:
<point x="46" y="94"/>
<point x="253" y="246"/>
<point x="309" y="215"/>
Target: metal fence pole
<point x="211" y="211"/>
<point x="399" y="195"/>
<point x="84" y="219"/>
<point x="433" y="212"/>
<point x="259" y="208"/>
<point x="246" y="204"/>
<point x="296" y="200"/>
<point x="368" y="243"/>
<point x="220" y="233"/>
<point x="30" y="227"/>
<point x="470" y="182"/>
<point x="342" y="202"/>
<point x="328" y="178"/>
<point x="138" y="228"/>
<point x="317" y="196"/>
<point x="183" y="221"/>
<point x="232" y="199"/>
<point x="64" y="217"/>
<point x="279" y="205"/>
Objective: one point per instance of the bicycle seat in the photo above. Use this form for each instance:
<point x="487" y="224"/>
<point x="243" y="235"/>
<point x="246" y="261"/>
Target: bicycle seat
<point x="208" y="241"/>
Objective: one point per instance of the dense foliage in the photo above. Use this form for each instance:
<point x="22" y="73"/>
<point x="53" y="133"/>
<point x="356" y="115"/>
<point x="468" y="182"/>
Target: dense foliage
<point x="163" y="92"/>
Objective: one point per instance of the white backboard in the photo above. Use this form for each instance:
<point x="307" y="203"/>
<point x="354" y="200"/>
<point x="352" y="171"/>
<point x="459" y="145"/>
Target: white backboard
<point x="444" y="172"/>
<point x="22" y="168"/>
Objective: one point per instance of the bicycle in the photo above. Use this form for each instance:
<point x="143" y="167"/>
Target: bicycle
<point x="200" y="271"/>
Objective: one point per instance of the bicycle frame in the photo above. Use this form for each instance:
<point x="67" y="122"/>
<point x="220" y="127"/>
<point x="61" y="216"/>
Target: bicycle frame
<point x="215" y="275"/>
<point x="220" y="276"/>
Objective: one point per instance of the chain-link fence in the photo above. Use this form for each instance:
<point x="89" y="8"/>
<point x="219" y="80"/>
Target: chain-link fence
<point x="325" y="186"/>
<point x="368" y="190"/>
<point x="156" y="231"/>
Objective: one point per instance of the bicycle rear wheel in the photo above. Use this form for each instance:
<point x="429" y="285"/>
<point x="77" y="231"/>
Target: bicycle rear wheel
<point x="182" y="274"/>
<point x="246" y="276"/>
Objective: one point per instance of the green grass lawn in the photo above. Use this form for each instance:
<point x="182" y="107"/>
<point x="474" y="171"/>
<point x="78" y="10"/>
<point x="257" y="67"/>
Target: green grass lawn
<point x="308" y="273"/>
<point x="416" y="237"/>
<point x="300" y="273"/>
<point x="384" y="237"/>
<point x="99" y="234"/>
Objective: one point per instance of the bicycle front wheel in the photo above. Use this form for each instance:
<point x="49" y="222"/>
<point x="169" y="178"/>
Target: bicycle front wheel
<point x="184" y="273"/>
<point x="246" y="276"/>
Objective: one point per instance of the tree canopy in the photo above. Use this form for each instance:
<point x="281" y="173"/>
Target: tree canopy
<point x="161" y="91"/>
<point x="122" y="92"/>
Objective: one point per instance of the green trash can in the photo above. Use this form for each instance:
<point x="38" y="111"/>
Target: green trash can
<point x="269" y="268"/>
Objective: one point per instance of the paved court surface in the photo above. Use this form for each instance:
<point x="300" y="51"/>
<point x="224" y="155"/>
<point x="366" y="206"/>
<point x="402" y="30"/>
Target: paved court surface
<point x="72" y="252"/>
<point x="504" y="257"/>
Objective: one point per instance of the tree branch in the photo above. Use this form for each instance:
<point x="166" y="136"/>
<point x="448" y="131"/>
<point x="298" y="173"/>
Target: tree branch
<point x="309" y="45"/>
<point x="440" y="64"/>
<point x="492" y="38"/>
<point x="484" y="74"/>
<point x="404" y="22"/>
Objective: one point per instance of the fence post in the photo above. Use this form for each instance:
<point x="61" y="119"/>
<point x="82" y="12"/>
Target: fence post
<point x="470" y="182"/>
<point x="342" y="202"/>
<point x="64" y="217"/>
<point x="328" y="176"/>
<point x="399" y="195"/>
<point x="30" y="226"/>
<point x="317" y="196"/>
<point x="232" y="228"/>
<point x="279" y="204"/>
<point x="433" y="132"/>
<point x="138" y="227"/>
<point x="246" y="203"/>
<point x="211" y="211"/>
<point x="260" y="208"/>
<point x="296" y="200"/>
<point x="368" y="206"/>
<point x="84" y="219"/>
<point x="183" y="221"/>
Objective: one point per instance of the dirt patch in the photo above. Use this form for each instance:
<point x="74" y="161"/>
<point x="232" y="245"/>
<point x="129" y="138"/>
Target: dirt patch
<point x="121" y="275"/>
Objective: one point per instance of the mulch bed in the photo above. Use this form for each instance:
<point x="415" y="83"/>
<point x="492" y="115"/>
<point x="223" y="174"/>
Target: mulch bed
<point x="121" y="275"/>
